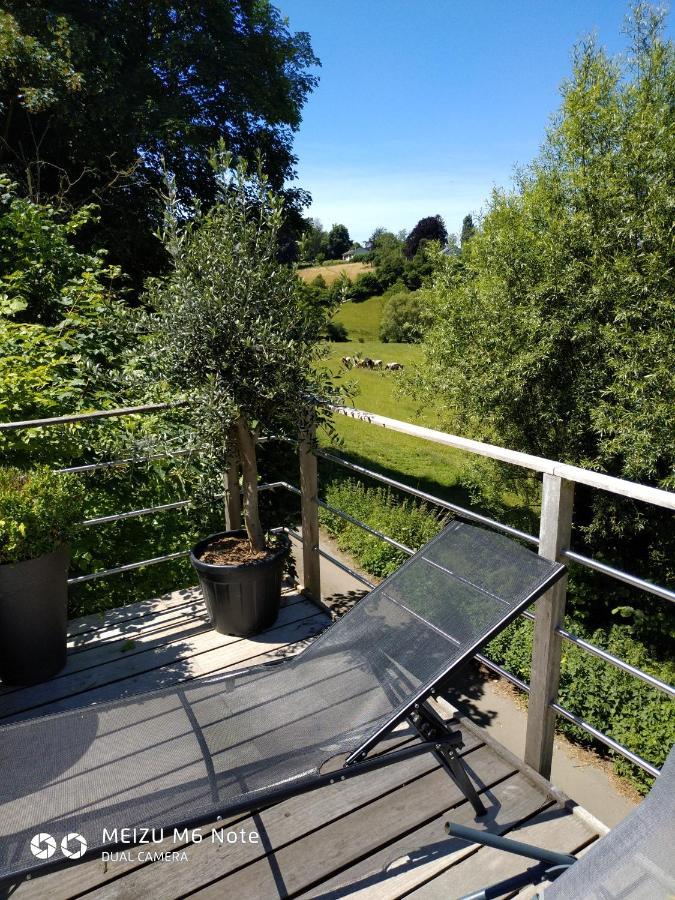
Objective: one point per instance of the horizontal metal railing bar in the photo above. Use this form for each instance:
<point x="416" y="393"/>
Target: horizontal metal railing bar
<point x="133" y="513"/>
<point x="619" y="575"/>
<point x="128" y="567"/>
<point x="114" y="463"/>
<point x="624" y="488"/>
<point x="360" y="524"/>
<point x="605" y="739"/>
<point x="133" y="460"/>
<point x="503" y="672"/>
<point x="429" y="498"/>
<point x="87" y="417"/>
<point x="615" y="661"/>
<point x="333" y="559"/>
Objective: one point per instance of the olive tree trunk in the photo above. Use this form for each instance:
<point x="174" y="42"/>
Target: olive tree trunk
<point x="249" y="472"/>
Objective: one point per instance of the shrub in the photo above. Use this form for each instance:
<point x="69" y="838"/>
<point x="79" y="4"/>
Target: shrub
<point x="365" y="285"/>
<point x="402" y="319"/>
<point x="640" y="717"/>
<point x="409" y="522"/>
<point x="39" y="511"/>
<point x="336" y="331"/>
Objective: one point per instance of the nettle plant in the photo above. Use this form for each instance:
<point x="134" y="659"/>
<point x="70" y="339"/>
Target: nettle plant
<point x="233" y="334"/>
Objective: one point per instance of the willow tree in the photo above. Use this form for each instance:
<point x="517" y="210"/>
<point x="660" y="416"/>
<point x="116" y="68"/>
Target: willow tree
<point x="554" y="332"/>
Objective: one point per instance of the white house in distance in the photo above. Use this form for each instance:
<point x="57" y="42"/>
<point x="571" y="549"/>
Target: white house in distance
<point x="355" y="252"/>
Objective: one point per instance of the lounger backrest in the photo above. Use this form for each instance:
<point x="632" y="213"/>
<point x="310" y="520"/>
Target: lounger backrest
<point x="437" y="610"/>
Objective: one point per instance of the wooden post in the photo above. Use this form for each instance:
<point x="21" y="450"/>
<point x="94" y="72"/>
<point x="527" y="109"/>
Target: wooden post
<point x="554" y="536"/>
<point x="309" y="486"/>
<point x="232" y="497"/>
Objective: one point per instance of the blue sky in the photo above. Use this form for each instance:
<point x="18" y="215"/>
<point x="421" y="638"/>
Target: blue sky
<point x="424" y="105"/>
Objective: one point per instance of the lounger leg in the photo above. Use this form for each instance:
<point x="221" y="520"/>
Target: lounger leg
<point x="459" y="775"/>
<point x="430" y="726"/>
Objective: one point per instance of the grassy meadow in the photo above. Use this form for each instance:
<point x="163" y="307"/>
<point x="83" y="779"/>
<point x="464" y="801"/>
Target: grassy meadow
<point x="332" y="271"/>
<point x="420" y="464"/>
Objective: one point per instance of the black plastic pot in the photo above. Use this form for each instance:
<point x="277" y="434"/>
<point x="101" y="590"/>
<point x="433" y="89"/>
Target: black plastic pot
<point x="33" y="618"/>
<point x="242" y="599"/>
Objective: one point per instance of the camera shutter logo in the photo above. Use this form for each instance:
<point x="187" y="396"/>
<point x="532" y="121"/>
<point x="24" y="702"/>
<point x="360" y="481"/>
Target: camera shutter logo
<point x="43" y="845"/>
<point x="73" y="845"/>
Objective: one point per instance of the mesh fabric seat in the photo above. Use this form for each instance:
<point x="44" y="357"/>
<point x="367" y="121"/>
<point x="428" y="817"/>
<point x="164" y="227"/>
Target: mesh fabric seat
<point x="190" y="753"/>
<point x="636" y="859"/>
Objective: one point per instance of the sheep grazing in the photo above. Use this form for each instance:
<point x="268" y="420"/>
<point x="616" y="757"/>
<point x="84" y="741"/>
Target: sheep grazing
<point x="377" y="363"/>
<point x="347" y="362"/>
<point x="393" y="366"/>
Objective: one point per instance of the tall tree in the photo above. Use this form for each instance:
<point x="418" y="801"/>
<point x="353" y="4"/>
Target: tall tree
<point x="338" y="241"/>
<point x="554" y="334"/>
<point x="94" y="96"/>
<point x="468" y="229"/>
<point x="431" y="228"/>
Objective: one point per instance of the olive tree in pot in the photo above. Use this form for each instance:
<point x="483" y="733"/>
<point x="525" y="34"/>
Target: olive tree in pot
<point x="39" y="513"/>
<point x="234" y="336"/>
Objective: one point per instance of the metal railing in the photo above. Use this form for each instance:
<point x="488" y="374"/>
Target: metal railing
<point x="553" y="540"/>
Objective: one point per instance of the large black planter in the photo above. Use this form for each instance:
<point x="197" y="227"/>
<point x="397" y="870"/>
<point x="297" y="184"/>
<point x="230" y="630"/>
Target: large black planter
<point x="242" y="599"/>
<point x="33" y="618"/>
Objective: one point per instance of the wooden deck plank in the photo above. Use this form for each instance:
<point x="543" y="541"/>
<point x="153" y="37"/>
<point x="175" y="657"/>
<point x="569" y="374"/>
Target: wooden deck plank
<point x="555" y="829"/>
<point x="297" y="865"/>
<point x="378" y="836"/>
<point x="422" y="853"/>
<point x="288" y="820"/>
<point x="190" y="623"/>
<point x="168" y="663"/>
<point x="142" y="609"/>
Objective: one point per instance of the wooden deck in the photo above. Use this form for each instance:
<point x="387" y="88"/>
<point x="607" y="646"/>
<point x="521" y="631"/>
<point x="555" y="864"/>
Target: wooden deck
<point x="376" y="836"/>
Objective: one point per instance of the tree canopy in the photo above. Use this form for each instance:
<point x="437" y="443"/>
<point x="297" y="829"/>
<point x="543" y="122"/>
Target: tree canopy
<point x="431" y="228"/>
<point x="554" y="332"/>
<point x="92" y="98"/>
<point x="338" y="241"/>
<point x="468" y="229"/>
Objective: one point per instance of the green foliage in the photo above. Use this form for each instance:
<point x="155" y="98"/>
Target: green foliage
<point x="336" y="331"/>
<point x="43" y="274"/>
<point x="39" y="511"/>
<point x="411" y="523"/>
<point x="402" y="319"/>
<point x="233" y="332"/>
<point x="34" y="74"/>
<point x="365" y="285"/>
<point x="427" y="230"/>
<point x="468" y="229"/>
<point x="62" y="326"/>
<point x="90" y="103"/>
<point x="313" y="242"/>
<point x="338" y="241"/>
<point x="554" y="332"/>
<point x="634" y="714"/>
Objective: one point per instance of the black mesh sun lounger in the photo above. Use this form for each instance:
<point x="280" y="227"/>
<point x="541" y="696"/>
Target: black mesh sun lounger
<point x="186" y="755"/>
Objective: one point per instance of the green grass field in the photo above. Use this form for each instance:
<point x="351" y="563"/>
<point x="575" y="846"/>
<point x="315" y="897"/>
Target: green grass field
<point x="362" y="320"/>
<point x="427" y="466"/>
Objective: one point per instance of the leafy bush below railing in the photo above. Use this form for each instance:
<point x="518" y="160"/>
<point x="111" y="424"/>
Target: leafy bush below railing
<point x="411" y="523"/>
